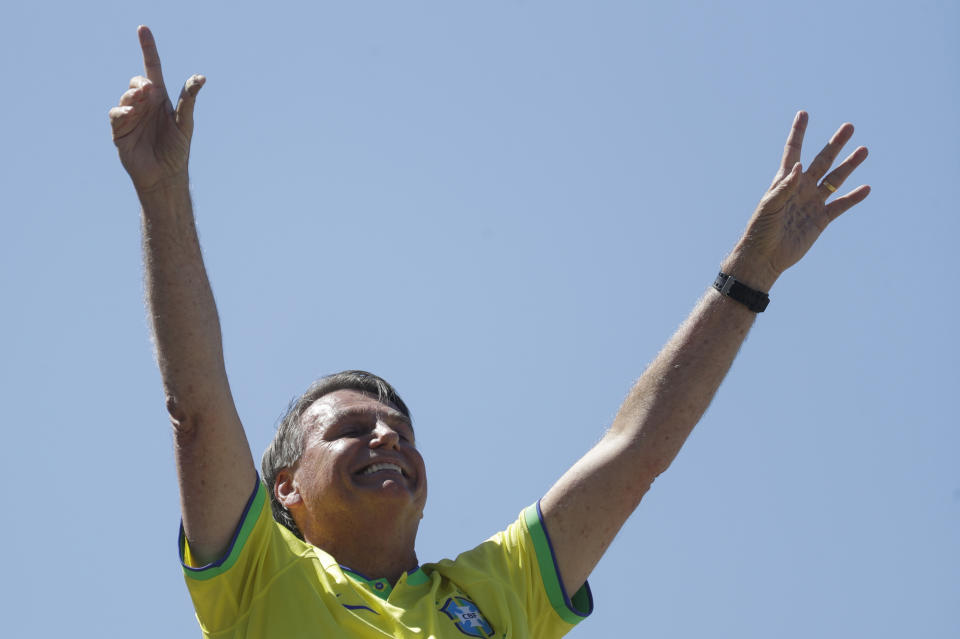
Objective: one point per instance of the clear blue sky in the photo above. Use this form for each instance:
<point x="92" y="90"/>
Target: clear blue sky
<point x="505" y="208"/>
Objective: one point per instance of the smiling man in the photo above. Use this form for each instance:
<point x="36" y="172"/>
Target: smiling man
<point x="358" y="486"/>
<point x="324" y="544"/>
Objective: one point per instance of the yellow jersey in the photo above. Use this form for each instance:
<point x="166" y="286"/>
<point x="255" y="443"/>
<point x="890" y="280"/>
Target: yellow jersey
<point x="272" y="584"/>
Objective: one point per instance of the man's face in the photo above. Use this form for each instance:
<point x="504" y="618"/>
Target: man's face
<point x="360" y="456"/>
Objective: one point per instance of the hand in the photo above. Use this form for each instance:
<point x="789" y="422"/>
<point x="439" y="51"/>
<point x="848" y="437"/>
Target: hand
<point x="794" y="211"/>
<point x="152" y="137"/>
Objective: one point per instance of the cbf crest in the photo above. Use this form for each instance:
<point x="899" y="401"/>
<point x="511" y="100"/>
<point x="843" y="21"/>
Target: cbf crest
<point x="467" y="617"/>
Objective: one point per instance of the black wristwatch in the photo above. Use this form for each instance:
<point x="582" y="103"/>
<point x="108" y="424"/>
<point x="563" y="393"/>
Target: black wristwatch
<point x="728" y="285"/>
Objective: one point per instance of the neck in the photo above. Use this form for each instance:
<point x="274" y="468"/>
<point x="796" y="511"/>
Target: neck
<point x="372" y="549"/>
<point x="389" y="568"/>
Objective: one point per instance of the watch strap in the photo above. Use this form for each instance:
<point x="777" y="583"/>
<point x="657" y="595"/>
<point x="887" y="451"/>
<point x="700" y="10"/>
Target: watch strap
<point x="733" y="288"/>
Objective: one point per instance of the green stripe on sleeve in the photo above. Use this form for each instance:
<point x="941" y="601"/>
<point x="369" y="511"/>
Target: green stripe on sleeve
<point x="571" y="611"/>
<point x="250" y="516"/>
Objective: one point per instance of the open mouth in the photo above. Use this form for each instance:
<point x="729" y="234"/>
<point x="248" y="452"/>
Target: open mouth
<point x="382" y="467"/>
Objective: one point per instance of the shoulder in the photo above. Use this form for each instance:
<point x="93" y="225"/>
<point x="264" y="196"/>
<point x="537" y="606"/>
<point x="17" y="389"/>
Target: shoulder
<point x="514" y="573"/>
<point x="259" y="543"/>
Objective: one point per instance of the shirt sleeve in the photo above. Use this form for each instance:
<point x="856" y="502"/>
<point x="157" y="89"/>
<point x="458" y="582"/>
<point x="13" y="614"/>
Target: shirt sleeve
<point x="223" y="590"/>
<point x="517" y="566"/>
<point x="571" y="609"/>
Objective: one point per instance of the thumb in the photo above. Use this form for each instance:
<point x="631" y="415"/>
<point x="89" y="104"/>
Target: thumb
<point x="188" y="98"/>
<point x="778" y="194"/>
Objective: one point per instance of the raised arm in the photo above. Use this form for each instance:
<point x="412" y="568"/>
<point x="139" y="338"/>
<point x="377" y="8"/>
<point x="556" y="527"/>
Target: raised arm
<point x="214" y="464"/>
<point x="585" y="509"/>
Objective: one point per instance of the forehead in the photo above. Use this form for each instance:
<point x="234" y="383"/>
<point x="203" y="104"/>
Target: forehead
<point x="347" y="402"/>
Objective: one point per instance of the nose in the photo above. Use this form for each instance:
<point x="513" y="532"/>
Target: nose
<point x="384" y="436"/>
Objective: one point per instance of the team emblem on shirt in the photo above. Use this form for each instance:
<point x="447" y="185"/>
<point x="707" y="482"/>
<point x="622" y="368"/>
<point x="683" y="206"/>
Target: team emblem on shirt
<point x="467" y="617"/>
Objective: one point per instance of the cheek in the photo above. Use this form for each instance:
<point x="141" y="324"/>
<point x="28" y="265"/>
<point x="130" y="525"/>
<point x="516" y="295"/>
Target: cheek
<point x="319" y="469"/>
<point x="421" y="468"/>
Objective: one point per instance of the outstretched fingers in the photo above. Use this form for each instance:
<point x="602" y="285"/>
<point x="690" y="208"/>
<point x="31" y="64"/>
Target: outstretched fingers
<point x="821" y="163"/>
<point x="151" y="58"/>
<point x="836" y="177"/>
<point x="840" y="205"/>
<point x="791" y="151"/>
<point x="188" y="99"/>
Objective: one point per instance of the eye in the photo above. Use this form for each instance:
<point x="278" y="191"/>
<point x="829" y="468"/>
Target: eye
<point x="352" y="430"/>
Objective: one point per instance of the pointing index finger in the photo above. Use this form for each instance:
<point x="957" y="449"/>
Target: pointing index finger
<point x="151" y="59"/>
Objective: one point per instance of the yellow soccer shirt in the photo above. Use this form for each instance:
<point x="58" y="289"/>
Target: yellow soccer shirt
<point x="272" y="584"/>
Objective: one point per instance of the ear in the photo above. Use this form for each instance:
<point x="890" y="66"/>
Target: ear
<point x="286" y="490"/>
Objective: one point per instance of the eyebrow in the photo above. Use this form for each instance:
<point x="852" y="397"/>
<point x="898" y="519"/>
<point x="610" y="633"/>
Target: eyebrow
<point x="390" y="413"/>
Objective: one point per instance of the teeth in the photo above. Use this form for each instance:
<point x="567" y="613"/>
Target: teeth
<point x="377" y="467"/>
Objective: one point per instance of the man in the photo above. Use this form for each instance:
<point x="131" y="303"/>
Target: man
<point x="345" y="480"/>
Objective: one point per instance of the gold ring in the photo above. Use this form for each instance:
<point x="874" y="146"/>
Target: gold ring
<point x="829" y="186"/>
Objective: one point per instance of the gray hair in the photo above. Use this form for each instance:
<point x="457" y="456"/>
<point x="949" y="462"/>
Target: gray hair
<point x="287" y="446"/>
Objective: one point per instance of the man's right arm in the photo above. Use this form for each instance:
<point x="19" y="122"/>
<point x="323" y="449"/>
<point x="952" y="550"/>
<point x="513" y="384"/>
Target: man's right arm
<point x="214" y="465"/>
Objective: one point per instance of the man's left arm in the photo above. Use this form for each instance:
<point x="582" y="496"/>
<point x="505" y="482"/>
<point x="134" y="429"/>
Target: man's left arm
<point x="585" y="509"/>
